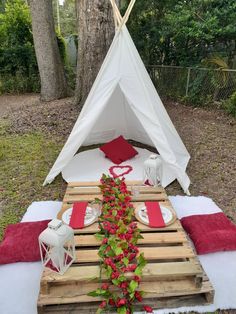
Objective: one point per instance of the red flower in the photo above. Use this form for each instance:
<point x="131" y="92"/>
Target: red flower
<point x="132" y="256"/>
<point x="132" y="267"/>
<point x="103" y="304"/>
<point x="127" y="199"/>
<point x="126" y="252"/>
<point x="123" y="285"/>
<point x="125" y="291"/>
<point x="107" y="249"/>
<point x="104" y="241"/>
<point x="148" y="309"/>
<point x="121" y="302"/>
<point x="112" y="231"/>
<point x="121" y="236"/>
<point x="138" y="296"/>
<point x="105" y="286"/>
<point x="111" y="302"/>
<point x="128" y="236"/>
<point x="137" y="278"/>
<point x="108" y="261"/>
<point x="133" y="225"/>
<point x="119" y="257"/>
<point x="115" y="275"/>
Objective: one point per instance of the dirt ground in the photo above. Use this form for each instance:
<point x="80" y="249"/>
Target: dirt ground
<point x="209" y="135"/>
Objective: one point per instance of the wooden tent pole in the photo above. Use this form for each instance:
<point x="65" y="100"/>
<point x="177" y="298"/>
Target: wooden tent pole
<point x="122" y="20"/>
<point x="127" y="13"/>
<point x="116" y="13"/>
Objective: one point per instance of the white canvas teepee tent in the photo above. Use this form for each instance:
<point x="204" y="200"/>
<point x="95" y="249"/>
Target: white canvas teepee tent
<point x="124" y="101"/>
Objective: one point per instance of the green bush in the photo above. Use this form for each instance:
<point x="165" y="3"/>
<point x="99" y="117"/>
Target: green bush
<point x="15" y="24"/>
<point x="19" y="83"/>
<point x="62" y="47"/>
<point x="20" y="58"/>
<point x="230" y="104"/>
<point x="18" y="65"/>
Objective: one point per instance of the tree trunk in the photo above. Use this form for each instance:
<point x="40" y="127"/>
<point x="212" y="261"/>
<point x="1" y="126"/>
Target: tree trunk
<point x="96" y="30"/>
<point x="51" y="70"/>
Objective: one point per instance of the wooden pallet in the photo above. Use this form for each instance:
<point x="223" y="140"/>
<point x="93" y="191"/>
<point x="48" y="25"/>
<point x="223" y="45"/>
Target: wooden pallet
<point x="172" y="277"/>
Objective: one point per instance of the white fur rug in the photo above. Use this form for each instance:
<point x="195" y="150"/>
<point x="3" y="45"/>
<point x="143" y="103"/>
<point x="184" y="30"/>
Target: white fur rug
<point x="19" y="282"/>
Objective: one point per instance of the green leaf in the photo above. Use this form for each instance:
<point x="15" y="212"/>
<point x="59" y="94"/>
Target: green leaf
<point x="112" y="243"/>
<point x="116" y="282"/>
<point x="141" y="260"/>
<point x="122" y="278"/>
<point x="132" y="286"/>
<point x="121" y="197"/>
<point x="118" y="250"/>
<point x="138" y="271"/>
<point x="99" y="236"/>
<point x="125" y="261"/>
<point x="139" y="236"/>
<point x="124" y="245"/>
<point x="122" y="229"/>
<point x="93" y="294"/>
<point x="108" y="271"/>
<point x="122" y="310"/>
<point x="99" y="311"/>
<point x="101" y="250"/>
<point x="97" y="200"/>
<point x="131" y="295"/>
<point x="114" y="212"/>
<point x="99" y="292"/>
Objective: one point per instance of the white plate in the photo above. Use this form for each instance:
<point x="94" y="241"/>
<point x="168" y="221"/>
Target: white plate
<point x="91" y="215"/>
<point x="141" y="214"/>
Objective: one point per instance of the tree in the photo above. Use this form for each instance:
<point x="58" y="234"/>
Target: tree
<point x="52" y="76"/>
<point x="2" y="5"/>
<point x="148" y="27"/>
<point x="15" y="24"/>
<point x="67" y="14"/>
<point x="17" y="56"/>
<point x="96" y="31"/>
<point x="183" y="32"/>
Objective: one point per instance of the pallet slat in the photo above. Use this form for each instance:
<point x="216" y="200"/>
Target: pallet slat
<point x="96" y="183"/>
<point x="158" y="290"/>
<point x="96" y="190"/>
<point x="71" y="198"/>
<point x="153" y="253"/>
<point x="176" y="226"/>
<point x="151" y="272"/>
<point x="148" y="238"/>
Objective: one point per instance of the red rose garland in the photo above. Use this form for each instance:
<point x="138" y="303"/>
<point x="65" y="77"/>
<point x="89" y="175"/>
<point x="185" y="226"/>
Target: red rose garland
<point x="121" y="262"/>
<point x="127" y="170"/>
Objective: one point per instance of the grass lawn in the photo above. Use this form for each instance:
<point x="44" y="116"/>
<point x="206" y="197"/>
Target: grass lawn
<point x="24" y="163"/>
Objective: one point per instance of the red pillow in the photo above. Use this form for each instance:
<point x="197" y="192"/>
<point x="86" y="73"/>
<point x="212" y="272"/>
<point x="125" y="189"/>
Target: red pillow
<point x="20" y="242"/>
<point x="118" y="150"/>
<point x="210" y="233"/>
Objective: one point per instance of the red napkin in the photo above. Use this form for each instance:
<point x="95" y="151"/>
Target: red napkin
<point x="78" y="214"/>
<point x="154" y="215"/>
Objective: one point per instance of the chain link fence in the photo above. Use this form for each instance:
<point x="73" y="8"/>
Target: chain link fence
<point x="196" y="85"/>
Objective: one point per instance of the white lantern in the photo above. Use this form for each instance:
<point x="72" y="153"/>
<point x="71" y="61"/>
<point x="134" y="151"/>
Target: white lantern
<point x="152" y="169"/>
<point x="57" y="248"/>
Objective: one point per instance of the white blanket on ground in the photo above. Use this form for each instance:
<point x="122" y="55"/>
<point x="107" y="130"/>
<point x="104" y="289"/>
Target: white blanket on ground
<point x="90" y="164"/>
<point x="19" y="282"/>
